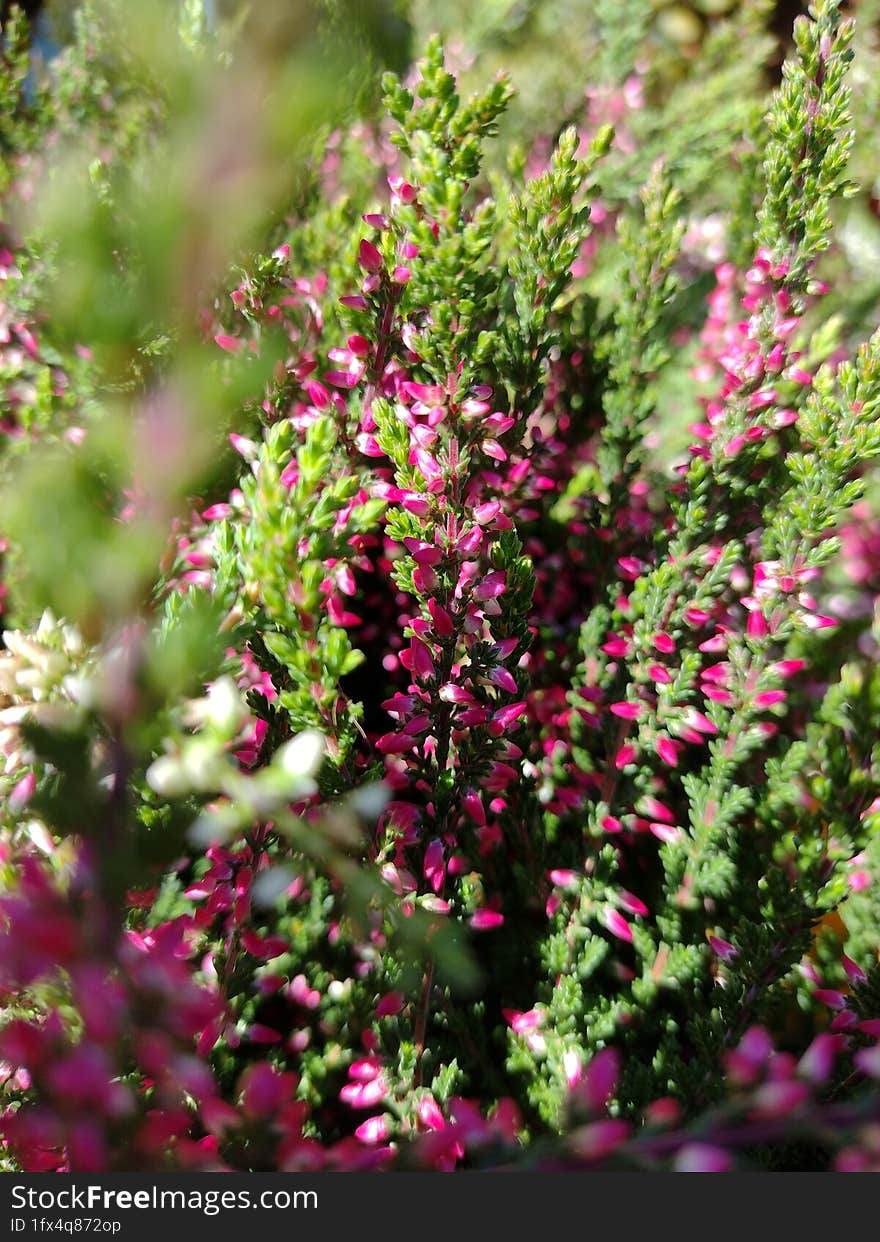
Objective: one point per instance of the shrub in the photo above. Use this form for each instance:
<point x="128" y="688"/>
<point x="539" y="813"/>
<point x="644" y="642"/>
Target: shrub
<point x="411" y="759"/>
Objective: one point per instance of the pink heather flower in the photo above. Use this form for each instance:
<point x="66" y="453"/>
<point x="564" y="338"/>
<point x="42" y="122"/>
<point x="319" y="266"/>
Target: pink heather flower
<point x="779" y="1099"/>
<point x="418" y="659"/>
<point x="264" y="1090"/>
<point x="659" y="674"/>
<point x="231" y="344"/>
<point x="830" y="997"/>
<point x="22" y="792"/>
<point x="853" y="970"/>
<point x="571" y="1067"/>
<point x="401" y="275"/>
<point x="434" y="868"/>
<point x="443" y="626"/>
<point x="491" y="586"/>
<point x="868" y="1061"/>
<point x="487" y="512"/>
<point x="723" y="948"/>
<point x="702" y="1158"/>
<point x="600" y="1139"/>
<point x="564" y="879"/>
<point x="630" y="902"/>
<point x="667" y="750"/>
<point x="599" y="1079"/>
<point x="429" y="1113"/>
<point x="769" y="698"/>
<point x="611" y="824"/>
<point x="664" y="643"/>
<point x="627" y="710"/>
<point x="631" y="567"/>
<point x="756" y="626"/>
<point x="814" y="622"/>
<point x="503" y="680"/>
<point x="369" y="257"/>
<point x="700" y="722"/>
<point x="374" y="1130"/>
<point x="390" y="1005"/>
<point x="617" y="924"/>
<point x="246" y="448"/>
<point x="473" y="805"/>
<point x="817" y="1063"/>
<point x="626" y="754"/>
<point x="402" y="189"/>
<point x="485" y="920"/>
<point x="522" y="1022"/>
<point x="788" y="668"/>
<point x="665" y="833"/>
<point x="655" y="809"/>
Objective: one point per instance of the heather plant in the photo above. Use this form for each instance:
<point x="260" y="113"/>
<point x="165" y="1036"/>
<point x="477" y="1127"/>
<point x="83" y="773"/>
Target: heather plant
<point x="439" y="690"/>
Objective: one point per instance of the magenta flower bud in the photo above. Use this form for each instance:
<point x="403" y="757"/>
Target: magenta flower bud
<point x="571" y="1067"/>
<point x="473" y="805"/>
<point x="702" y="1158"/>
<point x="756" y="626"/>
<point x="22" y="792"/>
<point x="631" y="567"/>
<point x="402" y="189"/>
<point x="263" y="1090"/>
<point x="817" y="1063"/>
<point x="373" y="1131"/>
<point x="665" y="833"/>
<point x="788" y="668"/>
<point x="503" y="680"/>
<point x="814" y="622"/>
<point x="627" y="710"/>
<point x="401" y="275"/>
<point x="830" y="997"/>
<point x="429" y="1113"/>
<point x="470" y="542"/>
<point x="599" y="1079"/>
<point x="779" y="1099"/>
<point x="625" y="756"/>
<point x="506" y="717"/>
<point x="563" y="879"/>
<point x="486" y="920"/>
<point x="853" y="970"/>
<point x="486" y="513"/>
<point x="717" y="695"/>
<point x="616" y="924"/>
<point x="492" y="586"/>
<point x="231" y="344"/>
<point x="246" y="448"/>
<point x="421" y="662"/>
<point x="630" y="902"/>
<point x="769" y="698"/>
<point x="376" y="220"/>
<point x="667" y="751"/>
<point x="664" y="643"/>
<point x="616" y="646"/>
<point x="799" y="375"/>
<point x="523" y="1022"/>
<point x="443" y="626"/>
<point x="722" y="948"/>
<point x="655" y="809"/>
<point x="610" y="823"/>
<point x="369" y="257"/>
